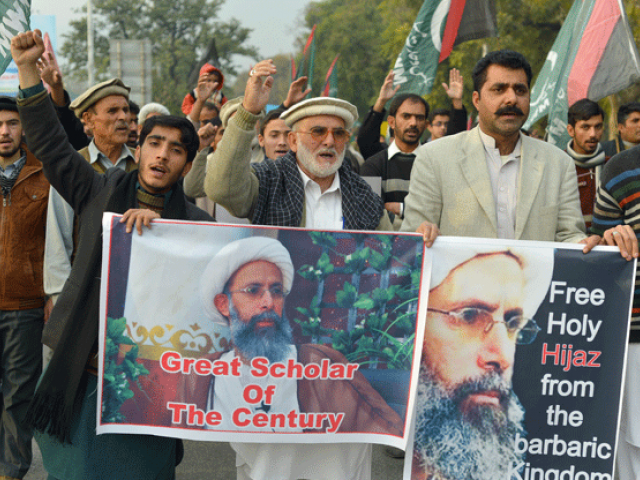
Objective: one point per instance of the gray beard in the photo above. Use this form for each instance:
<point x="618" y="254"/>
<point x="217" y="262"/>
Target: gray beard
<point x="308" y="159"/>
<point x="475" y="444"/>
<point x="271" y="343"/>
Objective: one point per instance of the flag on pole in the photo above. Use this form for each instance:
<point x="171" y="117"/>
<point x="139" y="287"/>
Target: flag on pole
<point x="331" y="81"/>
<point x="15" y="16"/>
<point x="594" y="55"/>
<point x="439" y="26"/>
<point x="293" y="69"/>
<point x="308" y="55"/>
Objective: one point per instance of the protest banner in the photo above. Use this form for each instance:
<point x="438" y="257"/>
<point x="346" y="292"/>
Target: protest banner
<point x="523" y="362"/>
<point x="345" y="371"/>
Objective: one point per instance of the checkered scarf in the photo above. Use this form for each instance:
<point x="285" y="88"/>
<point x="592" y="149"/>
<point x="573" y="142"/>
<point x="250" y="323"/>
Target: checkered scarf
<point x="281" y="196"/>
<point x="7" y="182"/>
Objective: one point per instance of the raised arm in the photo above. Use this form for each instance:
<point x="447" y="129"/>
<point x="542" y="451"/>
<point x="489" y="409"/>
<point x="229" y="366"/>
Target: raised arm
<point x="229" y="180"/>
<point x="455" y="90"/>
<point x="64" y="167"/>
<point x="369" y="135"/>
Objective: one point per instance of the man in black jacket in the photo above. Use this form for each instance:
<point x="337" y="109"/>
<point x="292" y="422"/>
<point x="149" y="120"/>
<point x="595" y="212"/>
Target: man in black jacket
<point x="408" y="118"/>
<point x="64" y="407"/>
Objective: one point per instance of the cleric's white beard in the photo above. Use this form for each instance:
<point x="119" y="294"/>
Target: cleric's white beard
<point x="309" y="161"/>
<point x="476" y="445"/>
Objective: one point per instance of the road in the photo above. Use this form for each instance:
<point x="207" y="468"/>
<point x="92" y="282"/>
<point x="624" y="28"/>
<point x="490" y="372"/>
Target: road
<point x="216" y="461"/>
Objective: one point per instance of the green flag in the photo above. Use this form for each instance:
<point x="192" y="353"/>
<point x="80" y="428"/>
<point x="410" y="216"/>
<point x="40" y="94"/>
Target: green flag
<point x="593" y="56"/>
<point x="305" y="67"/>
<point x="15" y="19"/>
<point x="439" y="26"/>
<point x="331" y="81"/>
<point x="550" y="91"/>
<point x="416" y="66"/>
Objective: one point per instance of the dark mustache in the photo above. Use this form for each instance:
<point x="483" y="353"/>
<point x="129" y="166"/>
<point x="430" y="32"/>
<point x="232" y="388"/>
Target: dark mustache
<point x="486" y="383"/>
<point x="509" y="109"/>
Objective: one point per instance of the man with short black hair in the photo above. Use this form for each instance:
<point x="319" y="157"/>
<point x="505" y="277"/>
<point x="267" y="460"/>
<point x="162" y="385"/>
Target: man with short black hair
<point x="585" y="126"/>
<point x="628" y="129"/>
<point x="408" y="118"/>
<point x="438" y="122"/>
<point x="23" y="212"/>
<point x="492" y="181"/>
<point x="63" y="410"/>
<point x="273" y="135"/>
<point x="369" y="134"/>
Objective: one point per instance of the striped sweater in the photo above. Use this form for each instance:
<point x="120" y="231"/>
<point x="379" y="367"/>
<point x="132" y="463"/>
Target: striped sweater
<point x="618" y="203"/>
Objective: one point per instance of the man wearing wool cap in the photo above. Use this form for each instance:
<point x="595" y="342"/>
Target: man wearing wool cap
<point x="245" y="286"/>
<point x="481" y="303"/>
<point x="104" y="108"/>
<point x="308" y="187"/>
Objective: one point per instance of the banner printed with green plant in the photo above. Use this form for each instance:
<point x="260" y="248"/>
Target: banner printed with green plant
<point x="381" y="323"/>
<point x="121" y="369"/>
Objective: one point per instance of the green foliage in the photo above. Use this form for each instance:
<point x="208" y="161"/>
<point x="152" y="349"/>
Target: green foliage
<point x="180" y="34"/>
<point x="352" y="29"/>
<point x="119" y="371"/>
<point x="346" y="297"/>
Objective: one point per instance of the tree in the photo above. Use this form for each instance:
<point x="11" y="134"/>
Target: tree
<point x="281" y="80"/>
<point x="351" y="29"/>
<point x="369" y="35"/>
<point x="183" y="35"/>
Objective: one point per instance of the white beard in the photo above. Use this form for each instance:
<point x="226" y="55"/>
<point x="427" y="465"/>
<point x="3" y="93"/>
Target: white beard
<point x="309" y="161"/>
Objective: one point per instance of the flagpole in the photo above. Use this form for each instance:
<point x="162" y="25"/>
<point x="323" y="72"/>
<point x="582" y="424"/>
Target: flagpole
<point x="90" y="61"/>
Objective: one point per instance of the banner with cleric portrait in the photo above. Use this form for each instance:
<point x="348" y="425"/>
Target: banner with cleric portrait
<point x="523" y="362"/>
<point x="260" y="334"/>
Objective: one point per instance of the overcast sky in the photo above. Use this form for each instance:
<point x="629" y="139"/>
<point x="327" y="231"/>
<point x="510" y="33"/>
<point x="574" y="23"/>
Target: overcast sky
<point x="274" y="23"/>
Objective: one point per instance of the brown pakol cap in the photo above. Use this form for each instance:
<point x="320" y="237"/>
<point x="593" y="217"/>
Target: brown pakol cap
<point x="98" y="92"/>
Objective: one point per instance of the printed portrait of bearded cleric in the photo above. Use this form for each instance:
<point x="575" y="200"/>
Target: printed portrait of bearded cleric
<point x="245" y="286"/>
<point x="481" y="304"/>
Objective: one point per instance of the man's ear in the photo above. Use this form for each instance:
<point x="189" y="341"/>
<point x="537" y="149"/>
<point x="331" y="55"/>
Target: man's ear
<point x="475" y="98"/>
<point x="87" y="118"/>
<point x="187" y="168"/>
<point x="260" y="140"/>
<point x="391" y="121"/>
<point x="221" y="302"/>
<point x="136" y="155"/>
<point x="570" y="130"/>
<point x="293" y="141"/>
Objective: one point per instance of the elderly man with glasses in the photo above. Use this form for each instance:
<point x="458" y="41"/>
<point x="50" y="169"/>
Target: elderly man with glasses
<point x="480" y="307"/>
<point x="244" y="286"/>
<point x="308" y="187"/>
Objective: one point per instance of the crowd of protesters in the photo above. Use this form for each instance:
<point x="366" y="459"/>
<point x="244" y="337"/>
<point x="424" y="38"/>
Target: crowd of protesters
<point x="293" y="166"/>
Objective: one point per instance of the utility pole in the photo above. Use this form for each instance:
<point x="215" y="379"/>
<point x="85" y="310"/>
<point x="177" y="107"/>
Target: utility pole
<point x="90" y="67"/>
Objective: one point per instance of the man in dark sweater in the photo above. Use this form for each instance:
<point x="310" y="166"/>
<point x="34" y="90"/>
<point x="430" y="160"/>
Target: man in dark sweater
<point x="64" y="407"/>
<point x="585" y="125"/>
<point x="628" y="130"/>
<point x="408" y="118"/>
<point x="616" y="216"/>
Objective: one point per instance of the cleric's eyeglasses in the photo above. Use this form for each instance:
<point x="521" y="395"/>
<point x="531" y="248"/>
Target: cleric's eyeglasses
<point x="256" y="292"/>
<point x="477" y="322"/>
<point x="340" y="135"/>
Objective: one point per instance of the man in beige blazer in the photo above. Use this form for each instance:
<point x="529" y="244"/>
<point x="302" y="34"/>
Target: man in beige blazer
<point x="493" y="181"/>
